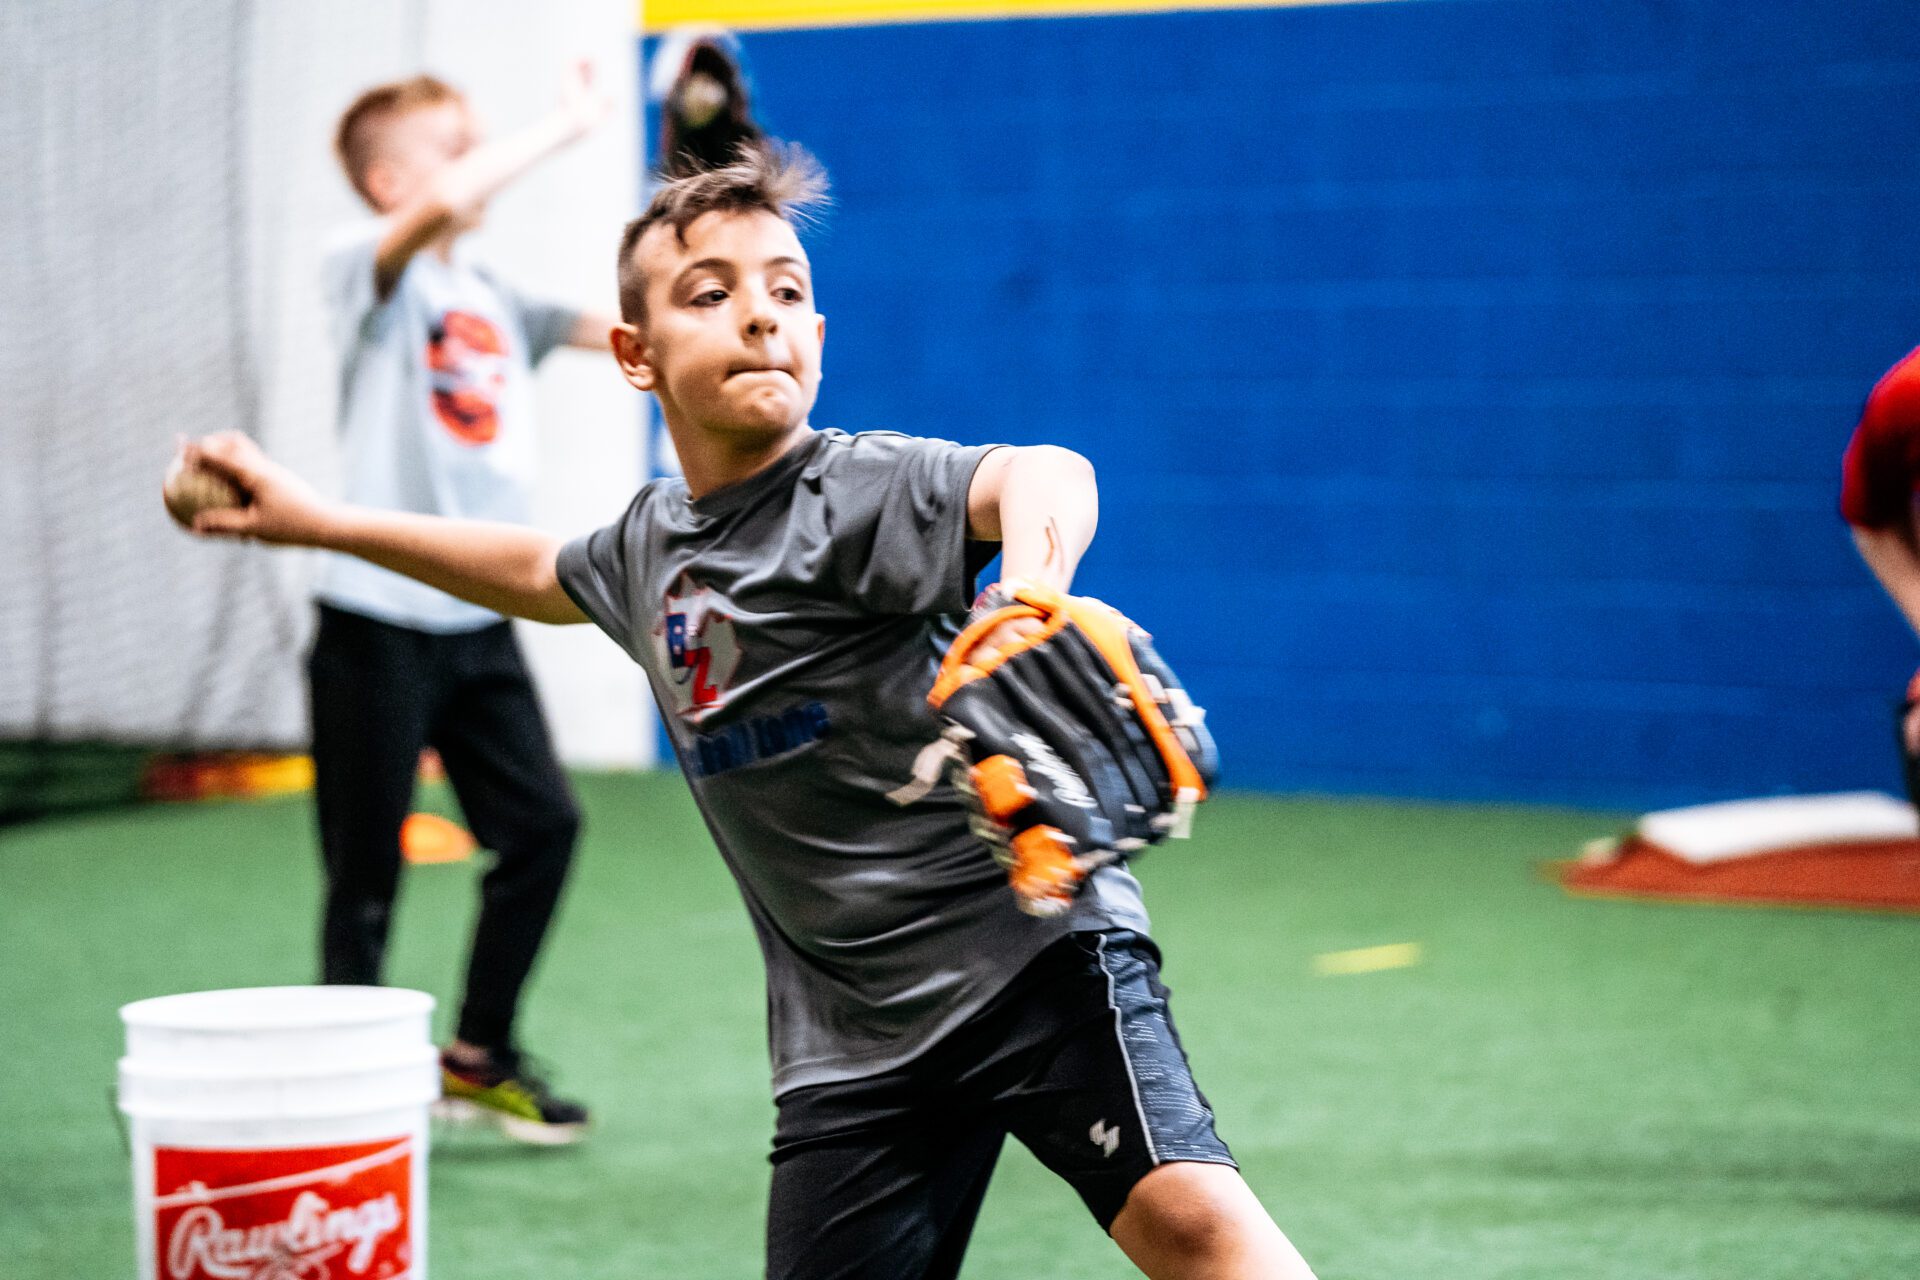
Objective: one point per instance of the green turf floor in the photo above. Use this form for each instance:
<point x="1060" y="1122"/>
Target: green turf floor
<point x="1561" y="1089"/>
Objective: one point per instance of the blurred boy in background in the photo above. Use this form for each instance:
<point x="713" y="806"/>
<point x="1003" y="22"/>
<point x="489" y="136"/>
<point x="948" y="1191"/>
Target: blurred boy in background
<point x="436" y="416"/>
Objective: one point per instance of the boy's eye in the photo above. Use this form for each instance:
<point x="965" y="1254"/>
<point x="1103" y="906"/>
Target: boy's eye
<point x="710" y="298"/>
<point x="788" y="294"/>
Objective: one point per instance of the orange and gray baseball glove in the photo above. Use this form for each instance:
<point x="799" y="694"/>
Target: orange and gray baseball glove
<point x="1076" y="746"/>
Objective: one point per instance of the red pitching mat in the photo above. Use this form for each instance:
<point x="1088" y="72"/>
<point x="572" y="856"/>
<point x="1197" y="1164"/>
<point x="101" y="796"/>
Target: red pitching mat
<point x="1857" y="851"/>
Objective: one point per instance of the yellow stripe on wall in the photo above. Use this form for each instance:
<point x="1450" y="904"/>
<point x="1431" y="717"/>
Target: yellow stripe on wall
<point x="772" y="15"/>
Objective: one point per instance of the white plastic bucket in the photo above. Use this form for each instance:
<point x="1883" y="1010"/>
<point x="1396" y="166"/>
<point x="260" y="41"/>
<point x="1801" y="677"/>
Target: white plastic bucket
<point x="280" y="1131"/>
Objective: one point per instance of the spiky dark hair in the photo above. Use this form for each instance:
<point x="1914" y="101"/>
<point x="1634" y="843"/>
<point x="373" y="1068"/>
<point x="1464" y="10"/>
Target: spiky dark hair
<point x="780" y="178"/>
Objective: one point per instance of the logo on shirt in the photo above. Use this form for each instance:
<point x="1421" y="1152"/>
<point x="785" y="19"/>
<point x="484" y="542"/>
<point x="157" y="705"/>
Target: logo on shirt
<point x="758" y="738"/>
<point x="697" y="647"/>
<point x="467" y="372"/>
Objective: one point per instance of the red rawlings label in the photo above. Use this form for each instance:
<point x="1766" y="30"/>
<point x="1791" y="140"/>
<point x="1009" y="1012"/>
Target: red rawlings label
<point x="305" y="1213"/>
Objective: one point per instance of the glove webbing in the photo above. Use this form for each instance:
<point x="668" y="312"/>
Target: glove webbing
<point x="1107" y="631"/>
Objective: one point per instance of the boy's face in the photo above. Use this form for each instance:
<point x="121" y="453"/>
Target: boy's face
<point x="731" y="341"/>
<point x="414" y="146"/>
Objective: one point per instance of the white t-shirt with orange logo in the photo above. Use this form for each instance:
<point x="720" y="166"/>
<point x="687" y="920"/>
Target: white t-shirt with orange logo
<point x="436" y="410"/>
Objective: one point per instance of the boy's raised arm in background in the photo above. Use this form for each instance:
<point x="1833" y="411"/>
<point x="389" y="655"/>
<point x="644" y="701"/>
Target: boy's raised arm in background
<point x="431" y="175"/>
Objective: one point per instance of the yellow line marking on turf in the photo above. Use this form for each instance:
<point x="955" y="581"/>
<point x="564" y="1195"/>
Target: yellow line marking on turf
<point x="656" y="16"/>
<point x="1397" y="955"/>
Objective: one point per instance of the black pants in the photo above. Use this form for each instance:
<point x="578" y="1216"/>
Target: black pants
<point x="381" y="693"/>
<point x="881" y="1178"/>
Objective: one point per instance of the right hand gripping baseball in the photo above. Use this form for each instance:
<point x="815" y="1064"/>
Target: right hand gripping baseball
<point x="278" y="506"/>
<point x="1076" y="746"/>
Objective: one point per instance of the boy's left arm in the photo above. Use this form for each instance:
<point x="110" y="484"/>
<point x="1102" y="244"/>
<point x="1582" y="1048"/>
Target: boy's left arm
<point x="1075" y="744"/>
<point x="1041" y="504"/>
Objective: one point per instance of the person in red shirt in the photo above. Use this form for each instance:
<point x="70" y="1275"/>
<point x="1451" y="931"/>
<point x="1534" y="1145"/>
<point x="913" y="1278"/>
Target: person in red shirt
<point x="1878" y="482"/>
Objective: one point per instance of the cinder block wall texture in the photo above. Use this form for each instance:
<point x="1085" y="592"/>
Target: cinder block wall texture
<point x="1467" y="380"/>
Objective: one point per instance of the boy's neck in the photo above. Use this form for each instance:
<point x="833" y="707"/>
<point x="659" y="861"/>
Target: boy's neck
<point x="709" y="462"/>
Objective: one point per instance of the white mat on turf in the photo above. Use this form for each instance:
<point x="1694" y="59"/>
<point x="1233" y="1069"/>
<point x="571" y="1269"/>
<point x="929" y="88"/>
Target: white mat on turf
<point x="1742" y="828"/>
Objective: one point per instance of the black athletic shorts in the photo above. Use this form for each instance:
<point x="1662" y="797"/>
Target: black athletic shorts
<point x="881" y="1178"/>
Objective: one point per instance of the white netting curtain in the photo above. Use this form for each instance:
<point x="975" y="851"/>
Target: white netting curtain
<point x="166" y="180"/>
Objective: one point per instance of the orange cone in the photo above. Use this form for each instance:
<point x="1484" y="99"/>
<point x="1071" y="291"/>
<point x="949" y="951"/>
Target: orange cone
<point x="428" y="838"/>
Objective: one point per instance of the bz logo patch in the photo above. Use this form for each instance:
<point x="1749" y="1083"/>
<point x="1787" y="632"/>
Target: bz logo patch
<point x="697" y="647"/>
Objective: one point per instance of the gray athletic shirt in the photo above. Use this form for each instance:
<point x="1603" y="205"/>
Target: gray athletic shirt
<point x="791" y="626"/>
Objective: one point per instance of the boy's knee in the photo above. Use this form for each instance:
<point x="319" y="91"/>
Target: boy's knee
<point x="1189" y="1218"/>
<point x="1183" y="1223"/>
<point x="544" y="835"/>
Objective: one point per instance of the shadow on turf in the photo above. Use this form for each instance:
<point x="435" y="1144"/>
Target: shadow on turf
<point x="1866" y="1172"/>
<point x="1904" y="1204"/>
<point x="476" y="1145"/>
<point x="502" y="1152"/>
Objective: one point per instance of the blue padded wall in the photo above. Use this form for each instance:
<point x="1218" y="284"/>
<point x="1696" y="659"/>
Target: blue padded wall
<point x="1467" y="380"/>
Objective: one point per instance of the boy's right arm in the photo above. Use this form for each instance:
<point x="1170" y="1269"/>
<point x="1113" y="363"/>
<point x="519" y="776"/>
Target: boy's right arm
<point x="504" y="567"/>
<point x="1894" y="557"/>
<point x="469" y="182"/>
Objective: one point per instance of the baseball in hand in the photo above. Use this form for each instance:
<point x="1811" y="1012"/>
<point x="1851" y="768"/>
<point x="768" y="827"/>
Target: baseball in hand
<point x="190" y="489"/>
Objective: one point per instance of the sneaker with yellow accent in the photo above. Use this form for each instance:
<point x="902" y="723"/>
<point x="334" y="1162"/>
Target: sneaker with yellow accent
<point x="507" y="1092"/>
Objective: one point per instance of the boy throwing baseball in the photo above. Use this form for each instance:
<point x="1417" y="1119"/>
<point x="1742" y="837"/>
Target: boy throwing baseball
<point x="790" y="600"/>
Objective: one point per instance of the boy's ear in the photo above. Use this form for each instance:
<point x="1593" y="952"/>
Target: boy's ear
<point x="630" y="350"/>
<point x="377" y="178"/>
